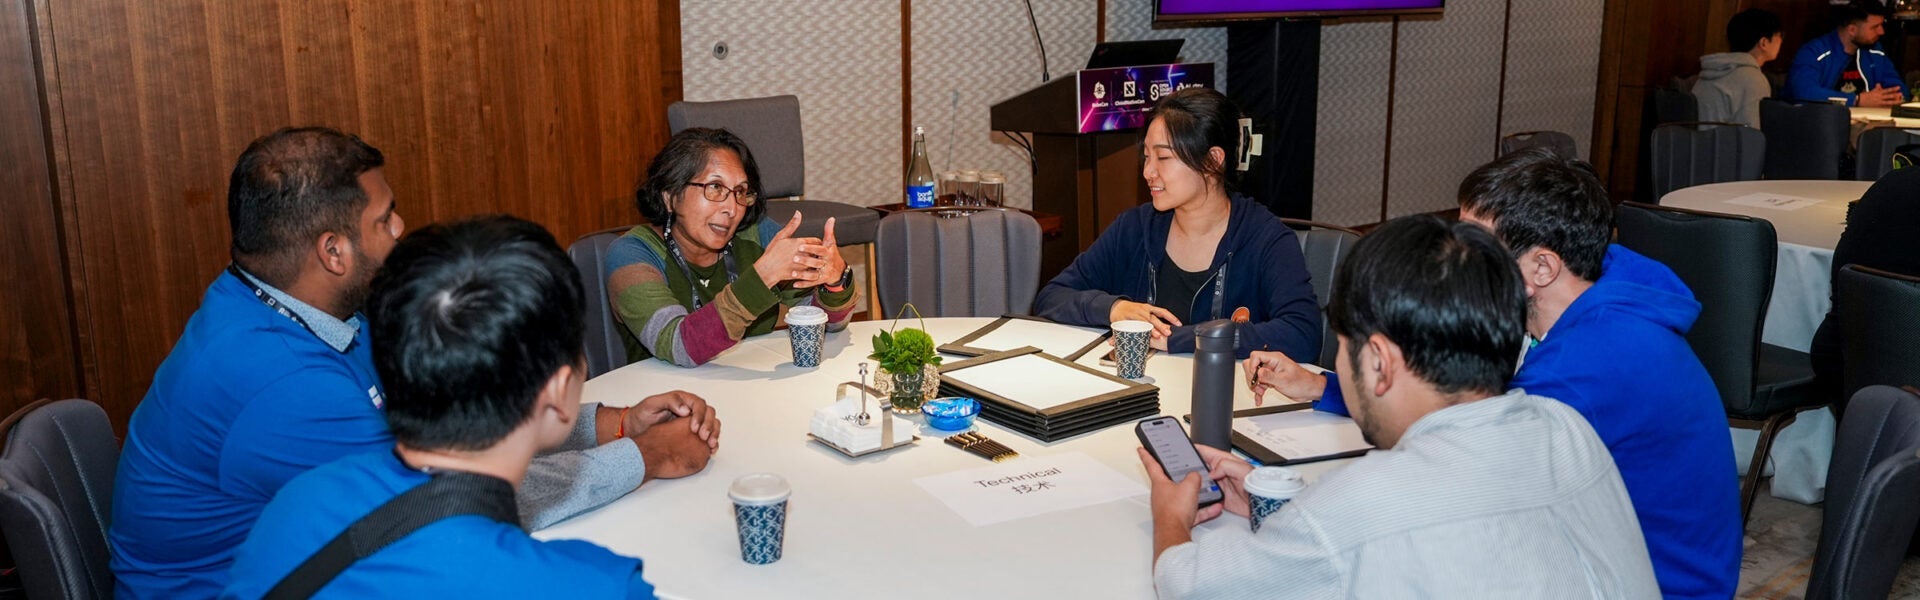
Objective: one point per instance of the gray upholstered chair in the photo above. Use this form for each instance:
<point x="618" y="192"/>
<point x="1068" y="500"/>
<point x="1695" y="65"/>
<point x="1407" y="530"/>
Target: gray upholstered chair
<point x="1871" y="484"/>
<point x="1690" y="154"/>
<point x="605" y="351"/>
<point x="56" y="494"/>
<point x="1880" y="325"/>
<point x="1728" y="262"/>
<point x="958" y="262"/>
<point x="1804" y="141"/>
<point x="1560" y="143"/>
<point x="1324" y="246"/>
<point x="771" y="128"/>
<point x="1876" y="151"/>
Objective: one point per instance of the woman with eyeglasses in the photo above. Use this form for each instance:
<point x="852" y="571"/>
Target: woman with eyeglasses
<point x="708" y="270"/>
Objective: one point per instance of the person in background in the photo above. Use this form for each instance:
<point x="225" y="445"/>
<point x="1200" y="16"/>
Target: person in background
<point x="1847" y="63"/>
<point x="1608" y="328"/>
<point x="274" y="376"/>
<point x="1472" y="493"/>
<point x="1883" y="232"/>
<point x="1731" y="85"/>
<point x="476" y="332"/>
<point x="1198" y="251"/>
<point x="708" y="270"/>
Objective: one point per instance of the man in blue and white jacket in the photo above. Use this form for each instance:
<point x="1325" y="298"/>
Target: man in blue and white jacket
<point x="1847" y="63"/>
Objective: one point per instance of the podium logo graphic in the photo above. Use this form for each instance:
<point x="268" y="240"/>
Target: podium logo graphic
<point x="1099" y="90"/>
<point x="1129" y="89"/>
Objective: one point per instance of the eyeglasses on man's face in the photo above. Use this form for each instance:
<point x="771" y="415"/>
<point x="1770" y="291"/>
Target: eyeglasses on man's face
<point x="713" y="191"/>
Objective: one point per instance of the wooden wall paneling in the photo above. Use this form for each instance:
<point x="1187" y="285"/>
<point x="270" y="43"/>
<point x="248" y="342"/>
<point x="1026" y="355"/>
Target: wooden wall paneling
<point x="37" y="355"/>
<point x="544" y="110"/>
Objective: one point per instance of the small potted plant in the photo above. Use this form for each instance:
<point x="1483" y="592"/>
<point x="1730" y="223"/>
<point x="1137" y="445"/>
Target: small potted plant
<point x="908" y="364"/>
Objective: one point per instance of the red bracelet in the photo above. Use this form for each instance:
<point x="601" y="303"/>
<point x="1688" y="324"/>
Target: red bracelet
<point x="622" y="432"/>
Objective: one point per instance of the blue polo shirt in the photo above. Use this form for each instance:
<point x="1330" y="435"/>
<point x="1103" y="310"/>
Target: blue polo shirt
<point x="247" y="400"/>
<point x="460" y="557"/>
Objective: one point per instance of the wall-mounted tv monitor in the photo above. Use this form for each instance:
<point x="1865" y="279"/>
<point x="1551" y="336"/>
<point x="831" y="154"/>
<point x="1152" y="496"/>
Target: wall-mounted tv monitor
<point x="1236" y="10"/>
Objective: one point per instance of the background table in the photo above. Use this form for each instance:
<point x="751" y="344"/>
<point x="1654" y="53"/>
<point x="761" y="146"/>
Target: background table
<point x="1802" y="289"/>
<point x="861" y="527"/>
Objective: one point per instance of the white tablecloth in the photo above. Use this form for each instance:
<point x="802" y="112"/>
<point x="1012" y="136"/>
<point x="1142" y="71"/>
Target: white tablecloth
<point x="1802" y="294"/>
<point x="861" y="527"/>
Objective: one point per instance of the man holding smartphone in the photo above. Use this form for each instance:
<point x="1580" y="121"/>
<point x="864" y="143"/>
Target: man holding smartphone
<point x="1472" y="493"/>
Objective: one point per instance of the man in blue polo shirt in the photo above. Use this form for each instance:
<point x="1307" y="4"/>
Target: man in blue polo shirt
<point x="476" y="332"/>
<point x="1610" y="327"/>
<point x="274" y="376"/>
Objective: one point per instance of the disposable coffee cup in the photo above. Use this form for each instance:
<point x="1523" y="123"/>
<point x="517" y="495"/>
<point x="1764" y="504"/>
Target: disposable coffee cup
<point x="760" y="513"/>
<point x="807" y="329"/>
<point x="1268" y="489"/>
<point x="1130" y="345"/>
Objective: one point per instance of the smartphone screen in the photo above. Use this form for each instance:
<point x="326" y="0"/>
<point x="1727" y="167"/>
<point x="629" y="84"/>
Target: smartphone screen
<point x="1168" y="442"/>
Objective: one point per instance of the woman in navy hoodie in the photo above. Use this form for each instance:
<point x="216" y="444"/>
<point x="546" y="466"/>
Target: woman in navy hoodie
<point x="1198" y="251"/>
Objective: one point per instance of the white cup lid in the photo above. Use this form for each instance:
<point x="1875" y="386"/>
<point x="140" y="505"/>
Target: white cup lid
<point x="1132" y="326"/>
<point x="1275" y="482"/>
<point x="759" y="488"/>
<point x="806" y="315"/>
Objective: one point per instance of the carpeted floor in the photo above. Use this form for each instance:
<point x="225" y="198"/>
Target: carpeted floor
<point x="1779" y="553"/>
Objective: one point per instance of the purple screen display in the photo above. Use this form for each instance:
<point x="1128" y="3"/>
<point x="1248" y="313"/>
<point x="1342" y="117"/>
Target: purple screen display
<point x="1202" y="7"/>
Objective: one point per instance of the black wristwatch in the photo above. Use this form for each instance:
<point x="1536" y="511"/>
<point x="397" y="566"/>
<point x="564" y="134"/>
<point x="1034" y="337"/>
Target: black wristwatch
<point x="846" y="278"/>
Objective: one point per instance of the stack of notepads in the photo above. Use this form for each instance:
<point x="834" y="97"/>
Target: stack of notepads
<point x="1045" y="396"/>
<point x="1910" y="110"/>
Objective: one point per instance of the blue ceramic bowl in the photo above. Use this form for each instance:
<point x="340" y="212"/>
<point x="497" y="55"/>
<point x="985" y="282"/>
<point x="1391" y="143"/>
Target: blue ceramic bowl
<point x="951" y="413"/>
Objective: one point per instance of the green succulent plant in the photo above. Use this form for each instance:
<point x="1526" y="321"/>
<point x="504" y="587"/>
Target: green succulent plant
<point x="906" y="351"/>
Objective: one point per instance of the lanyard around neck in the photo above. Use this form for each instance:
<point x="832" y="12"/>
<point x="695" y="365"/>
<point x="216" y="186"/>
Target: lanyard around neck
<point x="726" y="255"/>
<point x="268" y="299"/>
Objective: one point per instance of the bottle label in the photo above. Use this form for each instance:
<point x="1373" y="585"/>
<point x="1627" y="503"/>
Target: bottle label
<point x="920" y="196"/>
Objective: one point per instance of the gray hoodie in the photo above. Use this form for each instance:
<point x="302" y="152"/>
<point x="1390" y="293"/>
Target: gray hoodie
<point x="1730" y="88"/>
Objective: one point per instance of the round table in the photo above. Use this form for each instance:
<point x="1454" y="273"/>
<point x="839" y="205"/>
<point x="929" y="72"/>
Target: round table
<point x="860" y="527"/>
<point x="1802" y="286"/>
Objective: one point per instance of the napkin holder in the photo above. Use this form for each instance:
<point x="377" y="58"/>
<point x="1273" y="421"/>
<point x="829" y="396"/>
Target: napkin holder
<point x="886" y="424"/>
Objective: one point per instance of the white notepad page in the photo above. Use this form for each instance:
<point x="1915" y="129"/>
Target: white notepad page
<point x="1035" y="381"/>
<point x="1300" y="434"/>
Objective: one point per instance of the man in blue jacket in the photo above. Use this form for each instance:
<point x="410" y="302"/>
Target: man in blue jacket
<point x="1847" y="63"/>
<point x="1610" y="327"/>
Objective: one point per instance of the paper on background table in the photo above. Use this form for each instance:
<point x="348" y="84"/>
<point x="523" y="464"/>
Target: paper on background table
<point x="1302" y="434"/>
<point x="1051" y="338"/>
<point x="1774" y="201"/>
<point x="1035" y="381"/>
<point x="1014" y="490"/>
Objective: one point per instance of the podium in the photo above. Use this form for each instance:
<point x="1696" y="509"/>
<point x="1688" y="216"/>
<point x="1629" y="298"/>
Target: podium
<point x="1086" y="145"/>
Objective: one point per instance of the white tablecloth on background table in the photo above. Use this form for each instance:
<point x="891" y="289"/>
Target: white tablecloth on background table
<point x="1802" y="294"/>
<point x="860" y="527"/>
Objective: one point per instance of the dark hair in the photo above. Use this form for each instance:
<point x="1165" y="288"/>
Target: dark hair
<point x="289" y="187"/>
<point x="1447" y="294"/>
<point x="1746" y="29"/>
<point x="1538" y="199"/>
<point x="468" y="320"/>
<point x="1199" y="119"/>
<point x="1855" y="12"/>
<point x="684" y="158"/>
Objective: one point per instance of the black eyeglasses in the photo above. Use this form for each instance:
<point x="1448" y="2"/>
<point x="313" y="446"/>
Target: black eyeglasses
<point x="714" y="192"/>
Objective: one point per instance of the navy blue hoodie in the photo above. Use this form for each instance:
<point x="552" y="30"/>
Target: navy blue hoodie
<point x="1619" y="355"/>
<point x="1258" y="265"/>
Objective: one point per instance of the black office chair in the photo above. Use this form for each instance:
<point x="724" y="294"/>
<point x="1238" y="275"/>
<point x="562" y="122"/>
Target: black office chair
<point x="1324" y="246"/>
<point x="1692" y="153"/>
<point x="1871" y="486"/>
<point x="1560" y="143"/>
<point x="1876" y="149"/>
<point x="605" y="350"/>
<point x="1672" y="104"/>
<point x="1728" y="263"/>
<point x="1880" y="325"/>
<point x="56" y="494"/>
<point x="1804" y="141"/>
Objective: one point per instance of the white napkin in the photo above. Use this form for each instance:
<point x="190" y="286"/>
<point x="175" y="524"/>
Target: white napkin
<point x="830" y="423"/>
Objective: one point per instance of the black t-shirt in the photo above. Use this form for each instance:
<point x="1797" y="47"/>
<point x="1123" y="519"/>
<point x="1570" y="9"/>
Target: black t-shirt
<point x="1851" y="81"/>
<point x="1176" y="290"/>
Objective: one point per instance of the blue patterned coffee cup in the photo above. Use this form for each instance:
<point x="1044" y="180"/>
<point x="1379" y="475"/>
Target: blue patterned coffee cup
<point x="760" y="513"/>
<point x="1130" y="345"/>
<point x="1268" y="489"/>
<point x="807" y="329"/>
